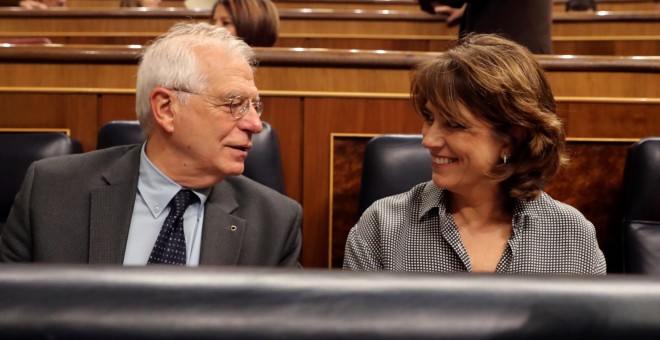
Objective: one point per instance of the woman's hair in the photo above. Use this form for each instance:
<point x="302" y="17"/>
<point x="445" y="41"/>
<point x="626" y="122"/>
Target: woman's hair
<point x="171" y="61"/>
<point x="501" y="83"/>
<point x="257" y="22"/>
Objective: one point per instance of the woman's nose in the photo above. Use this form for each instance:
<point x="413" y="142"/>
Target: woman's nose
<point x="433" y="136"/>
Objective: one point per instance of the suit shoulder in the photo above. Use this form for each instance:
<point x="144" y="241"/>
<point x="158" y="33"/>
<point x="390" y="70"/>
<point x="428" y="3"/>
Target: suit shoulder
<point x="254" y="191"/>
<point x="97" y="158"/>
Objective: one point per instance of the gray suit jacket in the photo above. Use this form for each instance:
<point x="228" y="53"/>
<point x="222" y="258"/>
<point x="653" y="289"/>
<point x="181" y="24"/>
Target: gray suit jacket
<point x="78" y="209"/>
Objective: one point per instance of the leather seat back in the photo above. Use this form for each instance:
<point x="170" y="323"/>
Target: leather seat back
<point x="18" y="151"/>
<point x="641" y="207"/>
<point x="392" y="164"/>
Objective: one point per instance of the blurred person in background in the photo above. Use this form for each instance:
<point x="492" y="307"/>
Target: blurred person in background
<point x="257" y="22"/>
<point x="33" y="4"/>
<point x="528" y="22"/>
<point x="140" y="3"/>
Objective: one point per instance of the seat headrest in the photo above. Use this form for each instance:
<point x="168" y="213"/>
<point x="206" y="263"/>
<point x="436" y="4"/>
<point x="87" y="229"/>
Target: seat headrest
<point x="392" y="164"/>
<point x="18" y="151"/>
<point x="642" y="181"/>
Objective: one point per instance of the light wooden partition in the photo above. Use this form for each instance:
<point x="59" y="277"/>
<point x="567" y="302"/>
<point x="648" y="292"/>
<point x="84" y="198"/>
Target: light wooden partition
<point x="310" y="97"/>
<point x="94" y="21"/>
<point x="318" y="70"/>
<point x="574" y="45"/>
<point x="115" y="3"/>
<point x="404" y="23"/>
<point x="308" y="21"/>
<point x="409" y="5"/>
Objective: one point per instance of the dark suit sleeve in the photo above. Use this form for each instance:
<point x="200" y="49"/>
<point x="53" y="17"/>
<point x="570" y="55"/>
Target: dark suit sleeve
<point x="294" y="242"/>
<point x="16" y="239"/>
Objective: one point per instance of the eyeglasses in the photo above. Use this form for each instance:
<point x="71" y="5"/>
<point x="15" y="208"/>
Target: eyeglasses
<point x="238" y="106"/>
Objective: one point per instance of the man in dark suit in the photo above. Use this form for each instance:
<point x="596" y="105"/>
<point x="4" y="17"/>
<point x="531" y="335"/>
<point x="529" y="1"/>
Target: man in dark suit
<point x="198" y="105"/>
<point x="528" y="22"/>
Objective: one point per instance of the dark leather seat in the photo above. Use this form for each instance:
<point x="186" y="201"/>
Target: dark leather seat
<point x="262" y="165"/>
<point x="162" y="302"/>
<point x="641" y="207"/>
<point x="119" y="132"/>
<point x="18" y="151"/>
<point x="392" y="164"/>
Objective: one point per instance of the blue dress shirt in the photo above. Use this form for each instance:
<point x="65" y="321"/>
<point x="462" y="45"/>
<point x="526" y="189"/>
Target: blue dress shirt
<point x="154" y="192"/>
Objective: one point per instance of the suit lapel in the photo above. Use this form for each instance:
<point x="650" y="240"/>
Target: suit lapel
<point x="111" y="210"/>
<point x="222" y="234"/>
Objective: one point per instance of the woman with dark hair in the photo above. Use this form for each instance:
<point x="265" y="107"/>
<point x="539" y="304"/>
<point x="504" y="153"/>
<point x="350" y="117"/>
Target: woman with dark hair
<point x="33" y="4"/>
<point x="495" y="140"/>
<point x="257" y="22"/>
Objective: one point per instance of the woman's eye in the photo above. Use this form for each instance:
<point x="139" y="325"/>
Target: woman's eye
<point x="428" y="116"/>
<point x="454" y="126"/>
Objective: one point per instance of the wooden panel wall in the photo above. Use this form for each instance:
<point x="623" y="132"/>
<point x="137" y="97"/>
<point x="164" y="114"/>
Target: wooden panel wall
<point x="577" y="45"/>
<point x="580" y="45"/>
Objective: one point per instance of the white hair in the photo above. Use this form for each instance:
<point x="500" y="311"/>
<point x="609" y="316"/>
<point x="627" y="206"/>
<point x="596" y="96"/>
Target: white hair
<point x="171" y="62"/>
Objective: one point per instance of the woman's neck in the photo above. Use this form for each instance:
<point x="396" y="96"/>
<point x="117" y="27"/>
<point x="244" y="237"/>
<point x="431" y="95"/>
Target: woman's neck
<point x="489" y="207"/>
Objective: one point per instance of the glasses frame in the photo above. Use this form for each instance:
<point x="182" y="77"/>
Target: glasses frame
<point x="258" y="105"/>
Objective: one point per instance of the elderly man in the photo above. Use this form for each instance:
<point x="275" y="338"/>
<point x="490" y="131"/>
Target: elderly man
<point x="177" y="198"/>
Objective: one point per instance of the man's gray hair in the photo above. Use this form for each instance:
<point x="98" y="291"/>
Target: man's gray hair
<point x="171" y="61"/>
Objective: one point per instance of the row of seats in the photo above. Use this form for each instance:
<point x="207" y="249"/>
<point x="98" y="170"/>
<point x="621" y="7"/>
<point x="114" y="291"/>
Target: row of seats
<point x="399" y="160"/>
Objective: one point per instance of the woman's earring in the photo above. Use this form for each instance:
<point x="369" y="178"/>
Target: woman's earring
<point x="504" y="157"/>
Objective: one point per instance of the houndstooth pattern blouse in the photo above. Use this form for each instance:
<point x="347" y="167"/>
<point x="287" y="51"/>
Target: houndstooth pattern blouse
<point x="414" y="231"/>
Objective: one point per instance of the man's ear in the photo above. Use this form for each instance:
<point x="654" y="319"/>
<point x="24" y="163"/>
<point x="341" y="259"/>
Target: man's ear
<point x="162" y="108"/>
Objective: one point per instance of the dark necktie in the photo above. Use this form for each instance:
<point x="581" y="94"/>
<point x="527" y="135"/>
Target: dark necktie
<point x="170" y="247"/>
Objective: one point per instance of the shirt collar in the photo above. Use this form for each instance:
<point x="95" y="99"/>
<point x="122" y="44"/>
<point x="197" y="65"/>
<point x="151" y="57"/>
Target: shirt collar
<point x="530" y="209"/>
<point x="432" y="197"/>
<point x="157" y="189"/>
